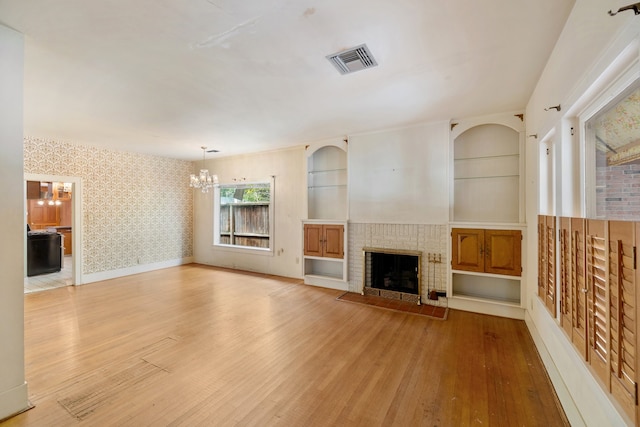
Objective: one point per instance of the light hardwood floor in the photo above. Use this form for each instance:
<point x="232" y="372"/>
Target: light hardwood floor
<point x="197" y="345"/>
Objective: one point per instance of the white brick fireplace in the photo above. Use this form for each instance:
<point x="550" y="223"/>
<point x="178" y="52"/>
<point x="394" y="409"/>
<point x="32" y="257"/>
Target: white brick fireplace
<point x="428" y="239"/>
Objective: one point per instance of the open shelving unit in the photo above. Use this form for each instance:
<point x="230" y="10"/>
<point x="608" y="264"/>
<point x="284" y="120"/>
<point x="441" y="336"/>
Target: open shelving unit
<point x="487" y="194"/>
<point x="326" y="207"/>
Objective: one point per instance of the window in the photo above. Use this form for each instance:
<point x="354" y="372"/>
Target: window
<point x="615" y="134"/>
<point x="243" y="216"/>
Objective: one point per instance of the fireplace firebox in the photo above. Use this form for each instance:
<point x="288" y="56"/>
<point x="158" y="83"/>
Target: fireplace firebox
<point x="392" y="273"/>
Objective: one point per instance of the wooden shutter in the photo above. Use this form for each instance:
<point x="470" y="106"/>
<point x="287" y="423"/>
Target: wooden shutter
<point x="622" y="313"/>
<point x="542" y="257"/>
<point x="598" y="299"/>
<point x="566" y="285"/>
<point x="550" y="287"/>
<point x="579" y="285"/>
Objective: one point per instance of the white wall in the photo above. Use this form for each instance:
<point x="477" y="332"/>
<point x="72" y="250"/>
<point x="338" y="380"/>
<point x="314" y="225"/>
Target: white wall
<point x="400" y="176"/>
<point x="288" y="167"/>
<point x="576" y="74"/>
<point x="13" y="388"/>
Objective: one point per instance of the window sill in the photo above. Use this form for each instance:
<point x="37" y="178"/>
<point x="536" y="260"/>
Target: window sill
<point x="244" y="249"/>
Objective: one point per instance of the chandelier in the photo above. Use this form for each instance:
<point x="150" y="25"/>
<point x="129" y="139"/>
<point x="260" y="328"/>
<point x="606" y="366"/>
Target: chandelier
<point x="203" y="181"/>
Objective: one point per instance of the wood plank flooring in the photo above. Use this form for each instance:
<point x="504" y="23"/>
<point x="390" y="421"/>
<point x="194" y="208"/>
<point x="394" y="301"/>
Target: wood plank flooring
<point x="197" y="345"/>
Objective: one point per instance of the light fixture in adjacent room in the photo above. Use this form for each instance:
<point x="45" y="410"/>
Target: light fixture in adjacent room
<point x="203" y="181"/>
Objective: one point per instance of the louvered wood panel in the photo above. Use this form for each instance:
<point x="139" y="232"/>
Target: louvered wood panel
<point x="579" y="285"/>
<point x="542" y="257"/>
<point x="566" y="286"/>
<point x="622" y="313"/>
<point x="550" y="299"/>
<point x="598" y="299"/>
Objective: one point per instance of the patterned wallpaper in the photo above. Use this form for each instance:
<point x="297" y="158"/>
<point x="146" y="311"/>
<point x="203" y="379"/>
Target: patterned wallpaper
<point x="137" y="208"/>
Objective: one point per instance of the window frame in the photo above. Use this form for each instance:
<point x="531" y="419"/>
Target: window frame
<point x="216" y="217"/>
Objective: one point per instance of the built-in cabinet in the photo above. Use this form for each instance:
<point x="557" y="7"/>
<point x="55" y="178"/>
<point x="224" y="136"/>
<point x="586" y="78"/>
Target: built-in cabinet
<point x="324" y="240"/>
<point x="486" y="251"/>
<point x="599" y="300"/>
<point x="487" y="216"/>
<point x="49" y="206"/>
<point x="480" y="258"/>
<point x="325" y="230"/>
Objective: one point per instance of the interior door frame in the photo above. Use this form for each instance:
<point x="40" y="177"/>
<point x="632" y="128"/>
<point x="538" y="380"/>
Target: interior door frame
<point x="76" y="219"/>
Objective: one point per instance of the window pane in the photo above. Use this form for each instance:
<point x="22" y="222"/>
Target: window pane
<point x="616" y="134"/>
<point x="244" y="214"/>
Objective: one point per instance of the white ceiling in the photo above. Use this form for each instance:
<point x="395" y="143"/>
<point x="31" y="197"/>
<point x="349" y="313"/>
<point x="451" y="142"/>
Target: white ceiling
<point x="167" y="76"/>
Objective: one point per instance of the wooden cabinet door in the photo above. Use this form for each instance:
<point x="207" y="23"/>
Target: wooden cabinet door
<point x="598" y="299"/>
<point x="623" y="313"/>
<point x="33" y="189"/>
<point x="333" y="240"/>
<point x="467" y="249"/>
<point x="324" y="240"/>
<point x="503" y="252"/>
<point x="313" y="240"/>
<point x="566" y="285"/>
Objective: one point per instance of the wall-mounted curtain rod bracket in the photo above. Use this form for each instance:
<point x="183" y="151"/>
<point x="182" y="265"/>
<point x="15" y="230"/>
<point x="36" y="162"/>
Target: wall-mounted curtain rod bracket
<point x="555" y="107"/>
<point x="635" y="7"/>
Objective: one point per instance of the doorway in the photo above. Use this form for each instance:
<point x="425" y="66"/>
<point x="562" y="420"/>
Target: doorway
<point x="55" y="203"/>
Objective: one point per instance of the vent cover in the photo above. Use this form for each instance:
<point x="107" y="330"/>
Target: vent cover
<point x="354" y="59"/>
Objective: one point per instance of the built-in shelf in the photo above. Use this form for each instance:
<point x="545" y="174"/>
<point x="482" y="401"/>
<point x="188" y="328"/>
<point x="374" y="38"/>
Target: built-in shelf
<point x="325" y="235"/>
<point x="487" y="188"/>
<point x="325" y="171"/>
<point x="488" y="177"/>
<point x="327" y="186"/>
<point x="482" y="298"/>
<point x="473" y="273"/>
<point x="514" y="155"/>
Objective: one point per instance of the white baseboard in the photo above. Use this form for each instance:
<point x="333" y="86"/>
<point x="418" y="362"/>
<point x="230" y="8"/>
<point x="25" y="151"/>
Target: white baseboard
<point x="486" y="307"/>
<point x="564" y="395"/>
<point x="112" y="274"/>
<point x="14" y="401"/>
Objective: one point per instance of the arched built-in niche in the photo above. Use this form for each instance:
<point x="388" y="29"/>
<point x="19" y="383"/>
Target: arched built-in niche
<point x="327" y="182"/>
<point x="486" y="166"/>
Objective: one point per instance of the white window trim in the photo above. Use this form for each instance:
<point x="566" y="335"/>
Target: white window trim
<point x="216" y="219"/>
<point x="620" y="73"/>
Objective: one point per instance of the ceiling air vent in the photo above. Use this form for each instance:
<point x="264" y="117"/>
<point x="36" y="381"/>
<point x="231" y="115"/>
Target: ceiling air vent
<point x="354" y="59"/>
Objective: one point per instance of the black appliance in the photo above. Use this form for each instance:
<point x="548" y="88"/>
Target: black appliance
<point x="44" y="252"/>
